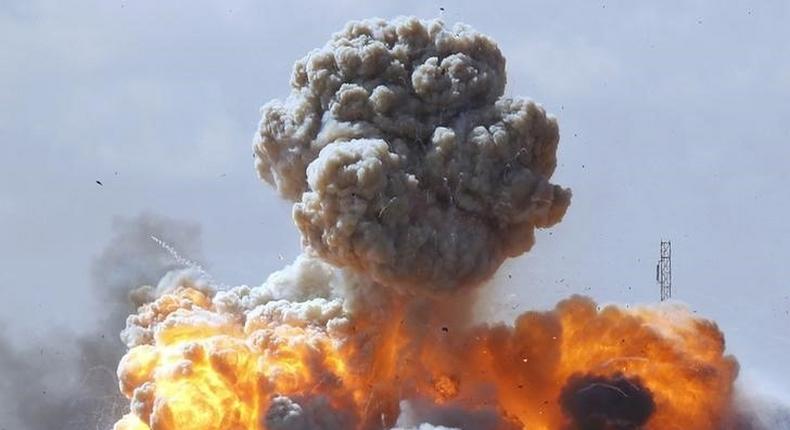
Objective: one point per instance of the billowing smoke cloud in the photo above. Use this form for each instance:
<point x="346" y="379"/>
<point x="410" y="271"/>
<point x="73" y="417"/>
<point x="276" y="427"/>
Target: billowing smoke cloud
<point x="606" y="403"/>
<point x="404" y="159"/>
<point x="67" y="381"/>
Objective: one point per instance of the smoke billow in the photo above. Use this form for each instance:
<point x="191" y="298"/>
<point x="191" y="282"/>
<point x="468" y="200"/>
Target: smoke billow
<point x="67" y="380"/>
<point x="606" y="403"/>
<point x="404" y="159"/>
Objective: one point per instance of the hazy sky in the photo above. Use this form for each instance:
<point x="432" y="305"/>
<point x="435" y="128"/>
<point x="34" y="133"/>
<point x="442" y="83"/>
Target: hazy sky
<point x="674" y="117"/>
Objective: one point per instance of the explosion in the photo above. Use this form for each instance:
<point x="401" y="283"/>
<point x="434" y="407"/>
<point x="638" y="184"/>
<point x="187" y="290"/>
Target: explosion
<point x="413" y="178"/>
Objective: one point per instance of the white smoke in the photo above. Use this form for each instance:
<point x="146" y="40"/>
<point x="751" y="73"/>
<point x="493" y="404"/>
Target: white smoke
<point x="403" y="158"/>
<point x="752" y="409"/>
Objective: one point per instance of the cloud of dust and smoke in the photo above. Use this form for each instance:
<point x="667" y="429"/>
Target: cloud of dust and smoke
<point x="66" y="381"/>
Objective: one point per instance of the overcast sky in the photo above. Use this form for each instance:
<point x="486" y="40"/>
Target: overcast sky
<point x="674" y="117"/>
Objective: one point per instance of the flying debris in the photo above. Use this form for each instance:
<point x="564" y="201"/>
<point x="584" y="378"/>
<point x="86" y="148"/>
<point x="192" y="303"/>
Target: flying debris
<point x="99" y="182"/>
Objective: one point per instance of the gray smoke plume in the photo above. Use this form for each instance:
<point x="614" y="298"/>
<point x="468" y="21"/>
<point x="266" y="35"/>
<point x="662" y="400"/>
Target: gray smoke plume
<point x="404" y="159"/>
<point x="68" y="382"/>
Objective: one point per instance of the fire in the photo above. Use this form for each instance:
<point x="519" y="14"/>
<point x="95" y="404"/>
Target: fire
<point x="225" y="375"/>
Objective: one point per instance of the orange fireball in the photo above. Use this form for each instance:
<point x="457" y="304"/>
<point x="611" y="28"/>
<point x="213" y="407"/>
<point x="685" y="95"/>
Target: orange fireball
<point x="208" y="368"/>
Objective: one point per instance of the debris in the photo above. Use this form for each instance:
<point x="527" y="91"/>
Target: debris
<point x="99" y="182"/>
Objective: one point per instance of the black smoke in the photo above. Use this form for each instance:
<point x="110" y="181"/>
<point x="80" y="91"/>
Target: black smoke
<point x="616" y="402"/>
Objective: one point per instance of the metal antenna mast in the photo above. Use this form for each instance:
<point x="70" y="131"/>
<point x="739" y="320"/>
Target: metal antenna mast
<point x="664" y="270"/>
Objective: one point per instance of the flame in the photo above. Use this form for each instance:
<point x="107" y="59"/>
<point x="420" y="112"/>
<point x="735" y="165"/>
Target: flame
<point x="224" y="374"/>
